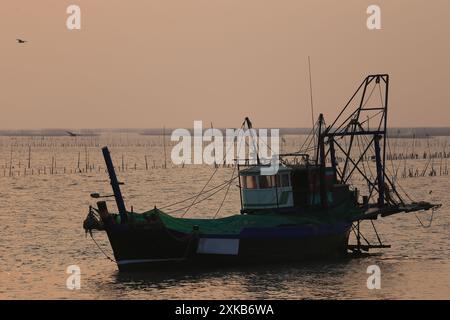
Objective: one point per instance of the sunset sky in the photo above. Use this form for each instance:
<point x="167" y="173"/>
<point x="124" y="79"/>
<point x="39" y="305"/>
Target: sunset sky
<point x="148" y="63"/>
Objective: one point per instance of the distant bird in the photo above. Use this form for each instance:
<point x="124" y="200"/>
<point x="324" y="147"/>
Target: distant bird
<point x="431" y="191"/>
<point x="21" y="41"/>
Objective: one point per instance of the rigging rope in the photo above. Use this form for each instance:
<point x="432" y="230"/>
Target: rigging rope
<point x="198" y="195"/>
<point x="228" y="187"/>
<point x="429" y="222"/>
<point x="203" y="199"/>
<point x="394" y="174"/>
<point x="98" y="246"/>
<point x="226" y="193"/>
<point x="310" y="134"/>
<point x="360" y="233"/>
<point x="206" y="184"/>
<point x="184" y="200"/>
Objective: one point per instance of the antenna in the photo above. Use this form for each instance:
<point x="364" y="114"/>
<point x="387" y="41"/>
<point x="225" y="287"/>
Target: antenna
<point x="311" y="93"/>
<point x="214" y="149"/>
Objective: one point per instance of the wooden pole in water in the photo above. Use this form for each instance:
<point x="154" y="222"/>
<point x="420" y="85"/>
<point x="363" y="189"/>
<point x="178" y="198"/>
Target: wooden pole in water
<point x="86" y="157"/>
<point x="164" y="144"/>
<point x="78" y="165"/>
<point x="29" y="156"/>
<point x="10" y="161"/>
<point x="445" y="157"/>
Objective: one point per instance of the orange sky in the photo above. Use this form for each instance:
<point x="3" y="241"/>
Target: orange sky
<point x="145" y="63"/>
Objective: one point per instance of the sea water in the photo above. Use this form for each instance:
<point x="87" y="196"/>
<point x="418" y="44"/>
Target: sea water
<point x="42" y="239"/>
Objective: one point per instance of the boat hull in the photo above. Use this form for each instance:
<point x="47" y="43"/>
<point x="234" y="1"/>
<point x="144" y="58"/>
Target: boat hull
<point x="155" y="249"/>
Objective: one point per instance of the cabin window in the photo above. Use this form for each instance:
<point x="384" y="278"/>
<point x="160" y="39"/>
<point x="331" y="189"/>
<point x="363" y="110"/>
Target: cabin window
<point x="283" y="180"/>
<point x="273" y="181"/>
<point x="243" y="182"/>
<point x="266" y="182"/>
<point x="250" y="182"/>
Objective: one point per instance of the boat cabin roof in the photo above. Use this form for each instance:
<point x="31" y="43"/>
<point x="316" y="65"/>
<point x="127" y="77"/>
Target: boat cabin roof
<point x="256" y="170"/>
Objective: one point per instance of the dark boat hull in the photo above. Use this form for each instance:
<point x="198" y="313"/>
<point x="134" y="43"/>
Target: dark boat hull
<point x="156" y="248"/>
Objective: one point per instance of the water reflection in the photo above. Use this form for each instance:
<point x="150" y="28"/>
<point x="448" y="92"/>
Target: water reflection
<point x="299" y="280"/>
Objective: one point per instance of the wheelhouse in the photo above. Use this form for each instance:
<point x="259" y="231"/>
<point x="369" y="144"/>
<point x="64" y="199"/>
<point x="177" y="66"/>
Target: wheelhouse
<point x="265" y="191"/>
<point x="294" y="186"/>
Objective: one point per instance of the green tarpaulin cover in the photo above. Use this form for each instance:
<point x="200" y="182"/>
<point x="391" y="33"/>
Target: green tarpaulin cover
<point x="235" y="223"/>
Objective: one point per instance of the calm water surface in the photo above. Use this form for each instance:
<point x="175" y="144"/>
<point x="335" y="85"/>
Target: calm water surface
<point x="41" y="232"/>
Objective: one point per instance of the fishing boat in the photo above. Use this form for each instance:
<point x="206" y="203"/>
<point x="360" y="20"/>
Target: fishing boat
<point x="305" y="210"/>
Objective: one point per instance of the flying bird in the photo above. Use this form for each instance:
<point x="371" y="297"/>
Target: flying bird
<point x="71" y="134"/>
<point x="21" y="41"/>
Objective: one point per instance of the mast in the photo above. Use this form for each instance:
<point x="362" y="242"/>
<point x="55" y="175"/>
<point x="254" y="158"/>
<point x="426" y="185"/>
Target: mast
<point x="321" y="162"/>
<point x="115" y="185"/>
<point x="351" y="124"/>
<point x="250" y="127"/>
<point x="311" y="93"/>
<point x="333" y="159"/>
<point x="380" y="170"/>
